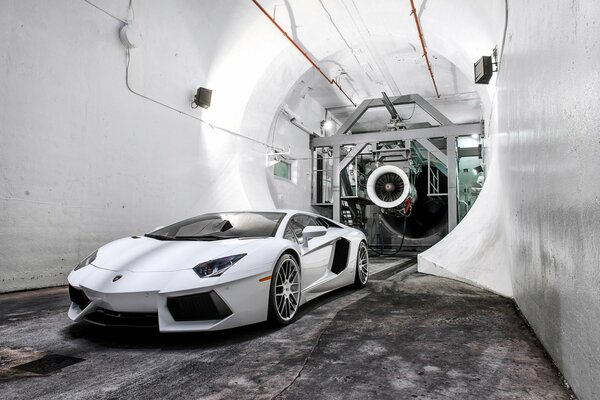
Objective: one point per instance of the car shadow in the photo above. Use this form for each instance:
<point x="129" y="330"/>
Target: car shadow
<point x="151" y="338"/>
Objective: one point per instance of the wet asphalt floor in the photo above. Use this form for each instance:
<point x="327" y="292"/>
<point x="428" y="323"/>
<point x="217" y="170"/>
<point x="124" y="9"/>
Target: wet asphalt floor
<point x="406" y="335"/>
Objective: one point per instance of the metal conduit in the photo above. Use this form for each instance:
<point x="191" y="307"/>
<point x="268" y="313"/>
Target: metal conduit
<point x="331" y="81"/>
<point x="420" y="32"/>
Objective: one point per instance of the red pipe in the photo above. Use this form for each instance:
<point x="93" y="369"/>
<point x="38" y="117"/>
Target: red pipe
<point x="331" y="81"/>
<point x="414" y="13"/>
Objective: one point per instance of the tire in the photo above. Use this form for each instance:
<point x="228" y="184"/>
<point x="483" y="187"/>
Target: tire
<point x="361" y="274"/>
<point x="284" y="295"/>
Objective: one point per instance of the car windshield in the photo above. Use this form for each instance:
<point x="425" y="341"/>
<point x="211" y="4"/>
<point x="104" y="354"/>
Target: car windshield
<point x="222" y="226"/>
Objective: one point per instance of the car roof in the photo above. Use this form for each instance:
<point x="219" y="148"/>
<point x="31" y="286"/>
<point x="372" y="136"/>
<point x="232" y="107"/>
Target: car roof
<point x="279" y="210"/>
<point x="288" y="211"/>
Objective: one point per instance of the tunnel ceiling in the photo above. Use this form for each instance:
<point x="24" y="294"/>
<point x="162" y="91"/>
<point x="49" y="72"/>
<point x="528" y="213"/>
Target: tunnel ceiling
<point x="369" y="47"/>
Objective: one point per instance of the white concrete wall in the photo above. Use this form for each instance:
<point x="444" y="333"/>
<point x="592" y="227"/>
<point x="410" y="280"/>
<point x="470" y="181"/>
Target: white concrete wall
<point x="276" y="88"/>
<point x="548" y="121"/>
<point x="83" y="160"/>
<point x="538" y="213"/>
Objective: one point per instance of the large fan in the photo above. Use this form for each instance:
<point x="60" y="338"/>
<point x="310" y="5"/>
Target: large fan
<point x="388" y="186"/>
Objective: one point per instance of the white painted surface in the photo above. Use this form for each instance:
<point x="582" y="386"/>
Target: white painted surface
<point x="474" y="252"/>
<point x="82" y="159"/>
<point x="537" y="217"/>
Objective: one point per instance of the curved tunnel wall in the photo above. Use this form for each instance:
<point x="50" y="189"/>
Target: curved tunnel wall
<point x="84" y="161"/>
<point x="88" y="161"/>
<point x="534" y="231"/>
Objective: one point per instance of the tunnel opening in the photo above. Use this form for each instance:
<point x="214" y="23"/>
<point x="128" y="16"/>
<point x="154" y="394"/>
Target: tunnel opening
<point x="429" y="214"/>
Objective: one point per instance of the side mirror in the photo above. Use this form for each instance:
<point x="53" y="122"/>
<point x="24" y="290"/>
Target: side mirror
<point x="311" y="232"/>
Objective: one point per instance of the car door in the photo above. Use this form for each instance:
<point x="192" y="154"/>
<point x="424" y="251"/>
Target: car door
<point x="315" y="255"/>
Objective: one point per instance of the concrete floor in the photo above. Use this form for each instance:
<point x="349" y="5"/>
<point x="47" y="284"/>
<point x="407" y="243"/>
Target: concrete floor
<point x="407" y="335"/>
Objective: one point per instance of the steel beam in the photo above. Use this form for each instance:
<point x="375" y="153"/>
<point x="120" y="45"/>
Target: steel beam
<point x="396" y="100"/>
<point x="394" y="136"/>
<point x="469" y="152"/>
<point x="390" y="106"/>
<point x="431" y="110"/>
<point x="437" y="153"/>
<point x="351" y="155"/>
<point x="335" y="184"/>
<point x="452" y="182"/>
<point x="355" y="116"/>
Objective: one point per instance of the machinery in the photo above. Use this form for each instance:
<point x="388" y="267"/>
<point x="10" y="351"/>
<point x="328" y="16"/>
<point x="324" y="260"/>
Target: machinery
<point x="396" y="181"/>
<point x="390" y="188"/>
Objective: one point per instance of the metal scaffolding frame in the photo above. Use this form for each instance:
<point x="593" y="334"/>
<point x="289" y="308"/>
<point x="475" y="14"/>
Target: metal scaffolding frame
<point x="446" y="129"/>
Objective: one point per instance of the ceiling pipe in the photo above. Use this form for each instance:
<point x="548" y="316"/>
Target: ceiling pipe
<point x="331" y="81"/>
<point x="414" y="14"/>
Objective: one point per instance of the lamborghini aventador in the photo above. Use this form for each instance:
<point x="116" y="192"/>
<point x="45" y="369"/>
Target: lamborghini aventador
<point x="218" y="271"/>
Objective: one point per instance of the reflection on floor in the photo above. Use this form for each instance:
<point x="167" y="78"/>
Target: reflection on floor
<point x="406" y="335"/>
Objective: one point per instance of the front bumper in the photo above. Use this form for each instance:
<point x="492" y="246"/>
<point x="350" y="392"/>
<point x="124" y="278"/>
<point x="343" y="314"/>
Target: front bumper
<point x="177" y="301"/>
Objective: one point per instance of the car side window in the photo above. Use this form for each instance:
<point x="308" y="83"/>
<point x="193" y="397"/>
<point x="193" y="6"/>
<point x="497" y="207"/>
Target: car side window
<point x="323" y="222"/>
<point x="306" y="220"/>
<point x="312" y="222"/>
<point x="289" y="233"/>
<point x="297" y="225"/>
<point x="297" y="228"/>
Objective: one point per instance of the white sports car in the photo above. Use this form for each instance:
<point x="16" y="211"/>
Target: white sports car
<point x="218" y="271"/>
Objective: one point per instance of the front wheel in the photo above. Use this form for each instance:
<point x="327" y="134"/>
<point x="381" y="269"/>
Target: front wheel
<point x="362" y="266"/>
<point x="284" y="296"/>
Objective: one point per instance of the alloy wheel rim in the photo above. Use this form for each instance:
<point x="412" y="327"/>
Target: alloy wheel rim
<point x="363" y="265"/>
<point x="287" y="290"/>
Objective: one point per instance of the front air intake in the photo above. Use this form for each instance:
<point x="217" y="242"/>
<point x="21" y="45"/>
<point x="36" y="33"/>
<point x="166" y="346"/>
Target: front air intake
<point x="78" y="297"/>
<point x="198" y="307"/>
<point x="106" y="317"/>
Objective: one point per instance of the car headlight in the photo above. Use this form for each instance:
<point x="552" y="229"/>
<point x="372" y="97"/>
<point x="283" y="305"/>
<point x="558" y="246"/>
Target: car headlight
<point x="86" y="261"/>
<point x="216" y="267"/>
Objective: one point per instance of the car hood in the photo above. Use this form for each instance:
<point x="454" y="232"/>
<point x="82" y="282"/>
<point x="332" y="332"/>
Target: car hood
<point x="145" y="254"/>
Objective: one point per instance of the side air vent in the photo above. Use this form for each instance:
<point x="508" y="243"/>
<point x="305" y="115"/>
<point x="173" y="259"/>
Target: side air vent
<point x="198" y="307"/>
<point x="340" y="256"/>
<point x="78" y="297"/>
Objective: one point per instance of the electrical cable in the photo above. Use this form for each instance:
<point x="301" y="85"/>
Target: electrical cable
<point x="306" y="56"/>
<point x="504" y="33"/>
<point x="499" y="60"/>
<point x="344" y="39"/>
<point x="132" y="10"/>
<point x="422" y="39"/>
<point x="213" y="126"/>
<point x="159" y="102"/>
<point x="105" y="12"/>
<point x="382" y="253"/>
<point x="411" y="114"/>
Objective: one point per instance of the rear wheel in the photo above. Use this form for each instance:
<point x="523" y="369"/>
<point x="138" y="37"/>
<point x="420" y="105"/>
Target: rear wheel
<point x="362" y="266"/>
<point x="284" y="296"/>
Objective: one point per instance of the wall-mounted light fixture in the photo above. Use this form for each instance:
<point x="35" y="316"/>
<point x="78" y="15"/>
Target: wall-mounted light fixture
<point x="202" y="98"/>
<point x="327" y="125"/>
<point x="485" y="67"/>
